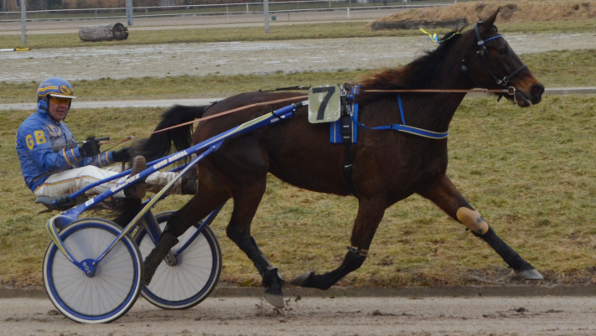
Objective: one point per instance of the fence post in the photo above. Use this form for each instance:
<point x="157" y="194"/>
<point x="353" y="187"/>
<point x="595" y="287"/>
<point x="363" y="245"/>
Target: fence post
<point x="247" y="8"/>
<point x="23" y="22"/>
<point x="266" y="13"/>
<point x="129" y="12"/>
<point x="348" y="12"/>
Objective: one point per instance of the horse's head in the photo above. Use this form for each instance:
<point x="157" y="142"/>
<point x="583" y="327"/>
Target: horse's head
<point x="491" y="63"/>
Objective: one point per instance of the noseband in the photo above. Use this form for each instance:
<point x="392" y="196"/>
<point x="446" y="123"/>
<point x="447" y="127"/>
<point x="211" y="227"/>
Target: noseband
<point x="486" y="58"/>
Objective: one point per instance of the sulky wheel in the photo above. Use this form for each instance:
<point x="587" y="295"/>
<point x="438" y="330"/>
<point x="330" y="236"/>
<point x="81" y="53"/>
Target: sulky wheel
<point x="192" y="276"/>
<point x="110" y="290"/>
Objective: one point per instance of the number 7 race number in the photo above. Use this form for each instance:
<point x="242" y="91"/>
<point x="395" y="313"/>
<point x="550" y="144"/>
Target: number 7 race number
<point x="324" y="104"/>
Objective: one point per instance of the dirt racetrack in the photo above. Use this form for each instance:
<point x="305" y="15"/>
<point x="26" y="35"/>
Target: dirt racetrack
<point x="474" y="316"/>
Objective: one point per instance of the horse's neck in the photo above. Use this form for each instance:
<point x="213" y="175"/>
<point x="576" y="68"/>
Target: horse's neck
<point x="434" y="111"/>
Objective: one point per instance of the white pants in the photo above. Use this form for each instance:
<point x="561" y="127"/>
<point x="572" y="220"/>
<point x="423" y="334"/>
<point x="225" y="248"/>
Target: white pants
<point x="72" y="180"/>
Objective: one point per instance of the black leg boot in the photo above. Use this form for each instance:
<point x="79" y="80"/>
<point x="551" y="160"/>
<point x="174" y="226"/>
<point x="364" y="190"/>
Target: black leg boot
<point x="166" y="242"/>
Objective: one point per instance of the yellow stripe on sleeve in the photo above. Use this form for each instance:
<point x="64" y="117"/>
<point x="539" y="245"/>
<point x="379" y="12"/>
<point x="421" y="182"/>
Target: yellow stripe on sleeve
<point x="66" y="157"/>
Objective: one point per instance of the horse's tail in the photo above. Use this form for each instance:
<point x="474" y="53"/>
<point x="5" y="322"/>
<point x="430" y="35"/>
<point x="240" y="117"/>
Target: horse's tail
<point x="159" y="144"/>
<point x="156" y="146"/>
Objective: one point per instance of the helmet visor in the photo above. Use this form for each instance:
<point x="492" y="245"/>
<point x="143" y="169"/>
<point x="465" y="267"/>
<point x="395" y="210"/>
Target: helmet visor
<point x="60" y="100"/>
<point x="52" y="95"/>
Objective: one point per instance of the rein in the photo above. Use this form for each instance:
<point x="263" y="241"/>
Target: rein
<point x="510" y="91"/>
<point x="238" y="109"/>
<point x="221" y="114"/>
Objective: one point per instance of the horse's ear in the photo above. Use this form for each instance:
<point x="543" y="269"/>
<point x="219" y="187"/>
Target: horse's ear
<point x="490" y="22"/>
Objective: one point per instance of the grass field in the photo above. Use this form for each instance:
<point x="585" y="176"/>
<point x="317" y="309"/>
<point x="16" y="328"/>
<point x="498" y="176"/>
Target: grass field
<point x="530" y="172"/>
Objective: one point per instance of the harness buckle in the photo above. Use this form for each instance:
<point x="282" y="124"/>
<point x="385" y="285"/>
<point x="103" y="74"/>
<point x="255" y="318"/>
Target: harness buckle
<point x="503" y="81"/>
<point x="342" y="91"/>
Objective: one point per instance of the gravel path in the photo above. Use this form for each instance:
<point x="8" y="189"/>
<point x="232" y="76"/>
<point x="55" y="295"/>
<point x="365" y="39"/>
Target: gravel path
<point x="231" y="58"/>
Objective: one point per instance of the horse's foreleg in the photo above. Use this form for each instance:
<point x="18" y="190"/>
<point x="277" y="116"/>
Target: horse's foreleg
<point x="444" y="194"/>
<point x="246" y="203"/>
<point x="370" y="213"/>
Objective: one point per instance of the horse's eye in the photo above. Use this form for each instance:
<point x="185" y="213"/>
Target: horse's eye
<point x="503" y="51"/>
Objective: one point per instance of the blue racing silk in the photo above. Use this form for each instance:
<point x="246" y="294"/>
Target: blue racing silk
<point x="46" y="146"/>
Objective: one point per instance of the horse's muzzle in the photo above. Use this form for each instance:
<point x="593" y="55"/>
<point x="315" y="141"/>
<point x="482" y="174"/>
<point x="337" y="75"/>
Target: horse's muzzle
<point x="534" y="96"/>
<point x="536" y="93"/>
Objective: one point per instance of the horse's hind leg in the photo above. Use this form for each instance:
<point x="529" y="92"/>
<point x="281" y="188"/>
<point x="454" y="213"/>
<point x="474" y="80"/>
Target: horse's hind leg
<point x="246" y="202"/>
<point x="443" y="193"/>
<point x="207" y="199"/>
<point x="370" y="213"/>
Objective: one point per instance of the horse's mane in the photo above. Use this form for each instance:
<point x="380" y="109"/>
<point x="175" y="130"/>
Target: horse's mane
<point x="415" y="74"/>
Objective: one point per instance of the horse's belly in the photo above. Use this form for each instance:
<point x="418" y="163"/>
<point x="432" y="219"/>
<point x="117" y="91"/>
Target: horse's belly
<point x="301" y="154"/>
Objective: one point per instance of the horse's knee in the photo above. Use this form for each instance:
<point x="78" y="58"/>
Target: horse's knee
<point x="472" y="220"/>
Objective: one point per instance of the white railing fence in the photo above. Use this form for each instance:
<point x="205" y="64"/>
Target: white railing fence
<point x="216" y="9"/>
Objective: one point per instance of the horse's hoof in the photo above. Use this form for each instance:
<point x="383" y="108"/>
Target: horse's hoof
<point x="531" y="274"/>
<point x="274" y="297"/>
<point x="301" y="279"/>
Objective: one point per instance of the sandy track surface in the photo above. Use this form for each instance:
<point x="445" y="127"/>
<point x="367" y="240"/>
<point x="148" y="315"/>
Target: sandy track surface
<point x="232" y="58"/>
<point x="323" y="316"/>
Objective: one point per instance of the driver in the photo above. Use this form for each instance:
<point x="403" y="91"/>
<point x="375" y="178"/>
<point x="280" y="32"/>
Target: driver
<point x="54" y="164"/>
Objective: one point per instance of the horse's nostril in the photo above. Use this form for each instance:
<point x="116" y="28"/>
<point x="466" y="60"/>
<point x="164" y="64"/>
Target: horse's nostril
<point x="537" y="90"/>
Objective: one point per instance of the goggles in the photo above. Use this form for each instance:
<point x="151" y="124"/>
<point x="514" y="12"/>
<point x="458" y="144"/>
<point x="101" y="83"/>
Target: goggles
<point x="60" y="100"/>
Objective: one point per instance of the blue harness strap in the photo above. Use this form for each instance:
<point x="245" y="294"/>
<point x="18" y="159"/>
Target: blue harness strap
<point x="404" y="128"/>
<point x="335" y="135"/>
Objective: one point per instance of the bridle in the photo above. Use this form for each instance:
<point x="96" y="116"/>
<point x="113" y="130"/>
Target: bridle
<point x="483" y="52"/>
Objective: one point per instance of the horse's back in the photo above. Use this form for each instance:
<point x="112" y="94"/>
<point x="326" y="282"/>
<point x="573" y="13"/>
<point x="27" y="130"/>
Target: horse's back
<point x="294" y="150"/>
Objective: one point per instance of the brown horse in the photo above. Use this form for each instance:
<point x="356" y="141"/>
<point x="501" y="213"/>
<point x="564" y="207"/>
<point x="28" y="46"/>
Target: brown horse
<point x="388" y="166"/>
